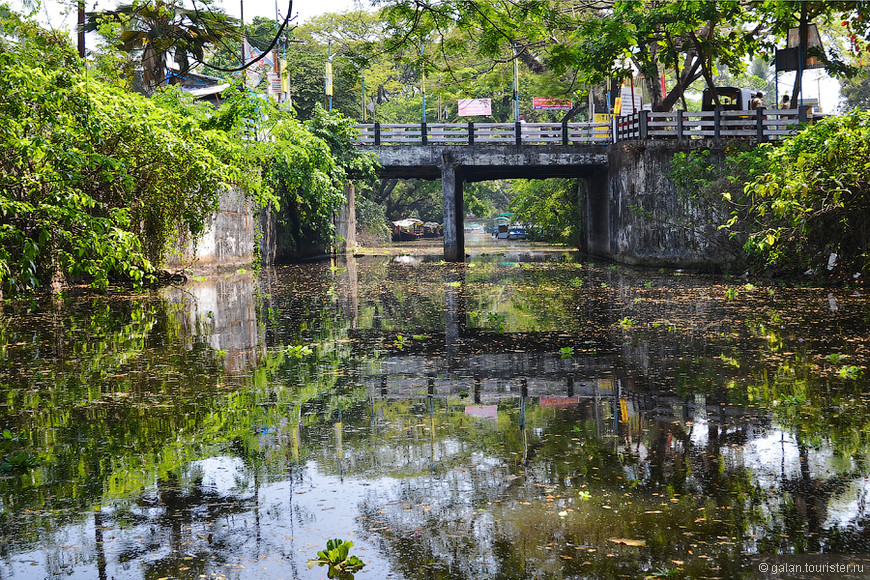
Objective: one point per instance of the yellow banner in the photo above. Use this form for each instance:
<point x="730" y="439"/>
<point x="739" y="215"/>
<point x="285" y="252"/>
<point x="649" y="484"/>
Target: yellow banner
<point x="329" y="79"/>
<point x="285" y="77"/>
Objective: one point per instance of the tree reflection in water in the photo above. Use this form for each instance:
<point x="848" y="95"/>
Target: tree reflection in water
<point x="683" y="432"/>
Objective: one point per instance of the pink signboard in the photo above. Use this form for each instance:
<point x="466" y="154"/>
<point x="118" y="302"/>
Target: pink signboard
<point x="482" y="411"/>
<point x="472" y="107"/>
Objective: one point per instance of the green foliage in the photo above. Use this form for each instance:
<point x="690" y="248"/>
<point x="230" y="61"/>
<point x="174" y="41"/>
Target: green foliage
<point x="336" y="556"/>
<point x="815" y="197"/>
<point x="792" y="205"/>
<point x="855" y="91"/>
<point x="307" y="181"/>
<point x="299" y="350"/>
<point x="156" y="29"/>
<point x="370" y="217"/>
<point x="549" y="208"/>
<point x="95" y="180"/>
<point x="13" y="458"/>
<point x="566" y="351"/>
<point x="850" y="372"/>
<point x="20" y="461"/>
<point x="590" y="43"/>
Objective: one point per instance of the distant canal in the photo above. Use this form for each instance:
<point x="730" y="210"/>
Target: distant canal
<point x="529" y="414"/>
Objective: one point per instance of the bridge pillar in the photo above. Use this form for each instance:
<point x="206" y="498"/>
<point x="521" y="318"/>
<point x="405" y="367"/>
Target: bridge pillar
<point x="454" y="212"/>
<point x="598" y="214"/>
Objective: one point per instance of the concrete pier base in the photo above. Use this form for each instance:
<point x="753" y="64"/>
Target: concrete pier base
<point x="454" y="212"/>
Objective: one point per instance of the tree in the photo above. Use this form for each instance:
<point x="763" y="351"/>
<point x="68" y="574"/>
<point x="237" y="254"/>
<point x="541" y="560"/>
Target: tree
<point x="592" y="42"/>
<point x="549" y="207"/>
<point x="157" y="30"/>
<point x="95" y="180"/>
<point x="855" y="92"/>
<point x="309" y="165"/>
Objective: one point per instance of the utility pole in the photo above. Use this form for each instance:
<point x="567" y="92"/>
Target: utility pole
<point x="242" y="21"/>
<point x="81" y="29"/>
<point x="516" y="87"/>
<point x="423" y="86"/>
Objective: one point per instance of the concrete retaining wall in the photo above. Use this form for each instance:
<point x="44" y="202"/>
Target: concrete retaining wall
<point x="228" y="242"/>
<point x="230" y="239"/>
<point x="644" y="220"/>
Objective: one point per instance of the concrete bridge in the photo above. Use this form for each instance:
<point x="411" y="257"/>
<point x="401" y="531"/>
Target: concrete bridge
<point x="623" y="166"/>
<point x="456" y="165"/>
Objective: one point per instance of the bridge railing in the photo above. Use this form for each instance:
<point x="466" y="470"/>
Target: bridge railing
<point x="761" y="125"/>
<point x="486" y="133"/>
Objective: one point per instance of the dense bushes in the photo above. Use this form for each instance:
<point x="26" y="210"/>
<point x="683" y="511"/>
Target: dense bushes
<point x="308" y="166"/>
<point x="794" y="203"/>
<point x="95" y="180"/>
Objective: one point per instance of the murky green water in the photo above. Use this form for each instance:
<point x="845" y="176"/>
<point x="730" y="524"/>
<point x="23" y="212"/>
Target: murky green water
<point x="528" y="415"/>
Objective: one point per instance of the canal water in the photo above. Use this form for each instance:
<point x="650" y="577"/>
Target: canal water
<point x="529" y="414"/>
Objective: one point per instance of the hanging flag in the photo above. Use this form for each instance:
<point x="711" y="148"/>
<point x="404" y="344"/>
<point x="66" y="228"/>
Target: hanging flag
<point x="285" y="77"/>
<point x="328" y="79"/>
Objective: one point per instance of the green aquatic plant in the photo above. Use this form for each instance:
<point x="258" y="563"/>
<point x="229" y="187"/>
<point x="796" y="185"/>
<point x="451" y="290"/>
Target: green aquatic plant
<point x="496" y="320"/>
<point x="19" y="461"/>
<point x="566" y="351"/>
<point x="849" y="372"/>
<point x="8" y="436"/>
<point x="336" y="555"/>
<point x="731" y="294"/>
<point x="627" y="323"/>
<point x="298" y="350"/>
<point x="400" y="342"/>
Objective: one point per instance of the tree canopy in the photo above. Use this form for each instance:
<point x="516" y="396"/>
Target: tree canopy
<point x="591" y="41"/>
<point x="158" y="30"/>
<point x="97" y="181"/>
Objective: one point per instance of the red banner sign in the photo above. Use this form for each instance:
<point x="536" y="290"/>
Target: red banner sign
<point x="548" y="104"/>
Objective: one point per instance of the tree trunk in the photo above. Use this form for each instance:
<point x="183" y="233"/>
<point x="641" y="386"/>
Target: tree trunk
<point x="802" y="57"/>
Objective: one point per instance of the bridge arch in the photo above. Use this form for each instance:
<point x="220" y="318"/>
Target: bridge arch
<point x="455" y="166"/>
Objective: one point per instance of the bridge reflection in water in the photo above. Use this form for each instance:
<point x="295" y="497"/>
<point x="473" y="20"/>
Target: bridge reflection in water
<point x="697" y="428"/>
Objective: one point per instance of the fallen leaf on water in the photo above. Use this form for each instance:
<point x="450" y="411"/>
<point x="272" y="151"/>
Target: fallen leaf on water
<point x="627" y="541"/>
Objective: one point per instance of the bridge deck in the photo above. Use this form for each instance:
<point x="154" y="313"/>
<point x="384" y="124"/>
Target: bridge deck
<point x="490" y="161"/>
<point x="760" y="124"/>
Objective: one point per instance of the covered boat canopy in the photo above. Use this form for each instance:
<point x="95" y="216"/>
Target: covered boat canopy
<point x="407" y="223"/>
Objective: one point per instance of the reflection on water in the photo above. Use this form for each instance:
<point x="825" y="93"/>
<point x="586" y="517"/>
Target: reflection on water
<point x="521" y="416"/>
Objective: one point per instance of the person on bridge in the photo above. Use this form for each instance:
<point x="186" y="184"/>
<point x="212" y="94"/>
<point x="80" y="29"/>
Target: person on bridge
<point x="757" y="101"/>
